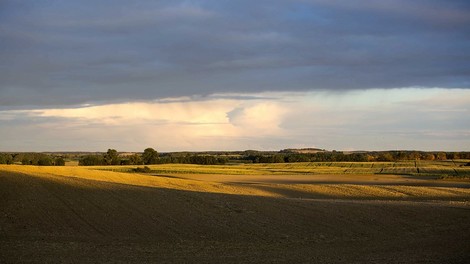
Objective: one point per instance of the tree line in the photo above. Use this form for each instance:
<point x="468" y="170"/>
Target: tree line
<point x="148" y="157"/>
<point x="39" y="159"/>
<point x="327" y="156"/>
<point x="151" y="156"/>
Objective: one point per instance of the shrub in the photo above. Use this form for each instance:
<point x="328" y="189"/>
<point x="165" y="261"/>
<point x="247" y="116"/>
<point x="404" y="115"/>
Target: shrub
<point x="142" y="170"/>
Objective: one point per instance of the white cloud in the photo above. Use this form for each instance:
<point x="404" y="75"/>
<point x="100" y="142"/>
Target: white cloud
<point x="263" y="118"/>
<point x="426" y="119"/>
<point x="135" y="113"/>
<point x="172" y="124"/>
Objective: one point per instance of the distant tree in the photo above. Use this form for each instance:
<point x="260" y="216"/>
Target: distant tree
<point x="91" y="160"/>
<point x="385" y="157"/>
<point x="370" y="158"/>
<point x="441" y="156"/>
<point x="414" y="155"/>
<point x="31" y="158"/>
<point x="25" y="161"/>
<point x="135" y="159"/>
<point x="297" y="158"/>
<point x="111" y="157"/>
<point x="59" y="161"/>
<point x="360" y="157"/>
<point x="150" y="156"/>
<point x="278" y="159"/>
<point x="222" y="160"/>
<point x="464" y="155"/>
<point x="402" y="155"/>
<point x="6" y="158"/>
<point x="429" y="156"/>
<point x="125" y="162"/>
<point x="44" y="161"/>
<point x="145" y="169"/>
<point x="454" y="155"/>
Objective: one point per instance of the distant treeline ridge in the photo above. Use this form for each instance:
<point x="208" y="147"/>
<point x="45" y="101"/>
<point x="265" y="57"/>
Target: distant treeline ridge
<point x="151" y="156"/>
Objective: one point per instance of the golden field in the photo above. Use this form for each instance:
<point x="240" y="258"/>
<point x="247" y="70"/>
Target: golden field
<point x="246" y="213"/>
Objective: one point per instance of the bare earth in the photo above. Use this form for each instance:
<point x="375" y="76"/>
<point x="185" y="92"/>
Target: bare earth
<point x="77" y="215"/>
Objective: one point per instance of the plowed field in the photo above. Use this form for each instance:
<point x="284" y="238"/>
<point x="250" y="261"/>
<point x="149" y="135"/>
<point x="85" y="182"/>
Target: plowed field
<point x="81" y="215"/>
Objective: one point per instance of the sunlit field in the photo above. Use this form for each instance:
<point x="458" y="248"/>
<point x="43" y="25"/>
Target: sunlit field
<point x="340" y="212"/>
<point x="438" y="169"/>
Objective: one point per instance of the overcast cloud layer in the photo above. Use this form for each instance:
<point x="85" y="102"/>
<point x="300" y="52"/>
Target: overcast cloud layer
<point x="59" y="53"/>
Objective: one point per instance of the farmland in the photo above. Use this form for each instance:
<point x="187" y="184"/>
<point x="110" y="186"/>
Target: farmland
<point x="439" y="169"/>
<point x="337" y="212"/>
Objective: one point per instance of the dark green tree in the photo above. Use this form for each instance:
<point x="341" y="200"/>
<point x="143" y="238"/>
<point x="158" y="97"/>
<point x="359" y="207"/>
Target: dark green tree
<point x="150" y="156"/>
<point x="6" y="158"/>
<point x="385" y="157"/>
<point x="135" y="159"/>
<point x="112" y="158"/>
<point x="44" y="161"/>
<point x="91" y="160"/>
<point x="59" y="162"/>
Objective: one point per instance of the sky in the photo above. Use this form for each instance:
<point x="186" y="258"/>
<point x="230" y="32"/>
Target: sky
<point x="234" y="75"/>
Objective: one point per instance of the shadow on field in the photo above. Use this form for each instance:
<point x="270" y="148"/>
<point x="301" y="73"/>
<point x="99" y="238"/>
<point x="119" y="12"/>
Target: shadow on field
<point x="64" y="219"/>
<point x="420" y="182"/>
<point x="357" y="193"/>
<point x="320" y="179"/>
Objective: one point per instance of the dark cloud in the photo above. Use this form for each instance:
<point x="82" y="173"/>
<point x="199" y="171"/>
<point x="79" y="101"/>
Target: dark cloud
<point x="72" y="52"/>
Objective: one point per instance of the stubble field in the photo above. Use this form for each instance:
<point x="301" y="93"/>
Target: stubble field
<point x="409" y="212"/>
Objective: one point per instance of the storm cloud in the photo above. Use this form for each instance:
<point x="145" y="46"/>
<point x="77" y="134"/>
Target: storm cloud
<point x="63" y="53"/>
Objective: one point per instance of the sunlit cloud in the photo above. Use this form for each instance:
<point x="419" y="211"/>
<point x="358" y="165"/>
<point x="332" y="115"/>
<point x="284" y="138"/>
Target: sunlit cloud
<point x="410" y="118"/>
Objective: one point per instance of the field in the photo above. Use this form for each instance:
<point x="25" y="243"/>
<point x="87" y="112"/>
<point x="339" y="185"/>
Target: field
<point x="381" y="212"/>
<point x="439" y="169"/>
